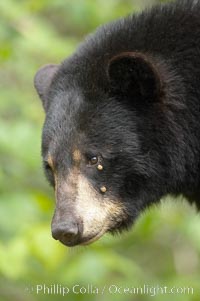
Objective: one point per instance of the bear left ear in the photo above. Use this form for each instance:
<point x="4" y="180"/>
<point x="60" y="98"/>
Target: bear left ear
<point x="134" y="76"/>
<point x="42" y="81"/>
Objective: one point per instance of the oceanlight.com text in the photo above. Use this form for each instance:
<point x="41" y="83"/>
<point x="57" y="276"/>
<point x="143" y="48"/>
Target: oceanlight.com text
<point x="111" y="289"/>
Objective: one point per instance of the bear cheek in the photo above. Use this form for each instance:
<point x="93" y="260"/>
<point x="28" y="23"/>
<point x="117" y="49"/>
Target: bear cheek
<point x="97" y="211"/>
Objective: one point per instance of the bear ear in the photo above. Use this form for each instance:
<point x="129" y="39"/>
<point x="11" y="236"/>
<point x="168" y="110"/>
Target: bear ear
<point x="42" y="81"/>
<point x="135" y="77"/>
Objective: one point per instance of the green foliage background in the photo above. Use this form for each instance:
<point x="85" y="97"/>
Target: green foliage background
<point x="163" y="249"/>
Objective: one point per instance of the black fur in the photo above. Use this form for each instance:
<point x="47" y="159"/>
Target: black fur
<point x="131" y="94"/>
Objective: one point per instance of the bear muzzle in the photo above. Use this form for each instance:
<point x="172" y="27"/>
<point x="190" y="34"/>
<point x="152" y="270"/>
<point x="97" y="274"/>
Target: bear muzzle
<point x="82" y="213"/>
<point x="70" y="232"/>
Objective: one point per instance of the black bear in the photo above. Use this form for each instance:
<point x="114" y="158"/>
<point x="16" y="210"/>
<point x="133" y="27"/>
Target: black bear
<point x="122" y="125"/>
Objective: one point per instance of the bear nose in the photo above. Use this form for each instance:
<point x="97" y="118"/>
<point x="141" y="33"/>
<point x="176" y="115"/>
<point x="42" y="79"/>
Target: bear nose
<point x="66" y="232"/>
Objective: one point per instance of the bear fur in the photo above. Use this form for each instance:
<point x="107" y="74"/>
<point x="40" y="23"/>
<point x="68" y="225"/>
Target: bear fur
<point x="127" y="100"/>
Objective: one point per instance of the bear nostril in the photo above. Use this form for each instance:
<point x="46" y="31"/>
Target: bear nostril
<point x="65" y="231"/>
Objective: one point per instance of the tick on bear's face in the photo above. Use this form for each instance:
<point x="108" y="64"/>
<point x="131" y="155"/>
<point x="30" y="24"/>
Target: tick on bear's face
<point x="93" y="155"/>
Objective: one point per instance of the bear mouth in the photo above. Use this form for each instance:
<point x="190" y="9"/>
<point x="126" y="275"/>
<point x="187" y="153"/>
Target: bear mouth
<point x="88" y="241"/>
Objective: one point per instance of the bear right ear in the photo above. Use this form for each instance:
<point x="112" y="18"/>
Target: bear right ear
<point x="134" y="76"/>
<point x="42" y="81"/>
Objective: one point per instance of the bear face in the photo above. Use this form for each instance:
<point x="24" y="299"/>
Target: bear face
<point x="92" y="152"/>
<point x="116" y="136"/>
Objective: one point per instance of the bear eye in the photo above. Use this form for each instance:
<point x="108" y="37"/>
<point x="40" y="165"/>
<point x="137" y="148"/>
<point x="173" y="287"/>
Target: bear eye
<point x="93" y="160"/>
<point x="47" y="166"/>
<point x="49" y="173"/>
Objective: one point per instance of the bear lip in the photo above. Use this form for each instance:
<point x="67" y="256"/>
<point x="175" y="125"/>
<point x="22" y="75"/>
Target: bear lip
<point x="94" y="238"/>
